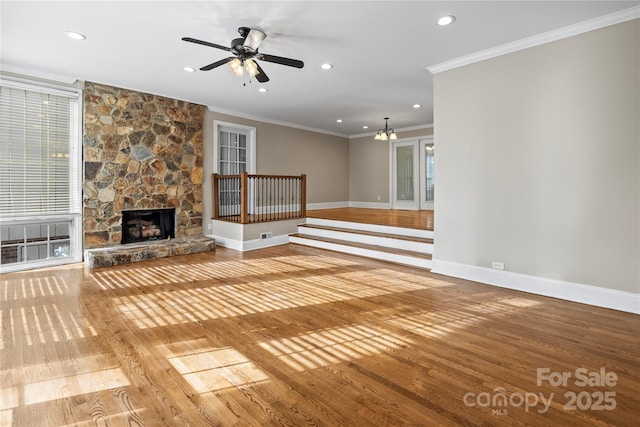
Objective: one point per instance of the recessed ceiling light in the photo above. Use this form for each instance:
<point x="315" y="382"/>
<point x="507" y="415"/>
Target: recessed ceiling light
<point x="326" y="66"/>
<point x="446" y="20"/>
<point x="263" y="90"/>
<point x="189" y="69"/>
<point x="76" y="36"/>
<point x="417" y="105"/>
<point x="365" y="127"/>
<point x="339" y="121"/>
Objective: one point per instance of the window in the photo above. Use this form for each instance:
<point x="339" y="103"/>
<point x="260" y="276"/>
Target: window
<point x="235" y="147"/>
<point x="40" y="190"/>
<point x="233" y="151"/>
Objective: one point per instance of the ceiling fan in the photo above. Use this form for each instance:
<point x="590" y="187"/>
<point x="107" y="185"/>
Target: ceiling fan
<point x="245" y="51"/>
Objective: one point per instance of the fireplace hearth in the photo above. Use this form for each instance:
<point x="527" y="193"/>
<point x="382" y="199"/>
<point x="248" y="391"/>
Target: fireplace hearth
<point x="142" y="225"/>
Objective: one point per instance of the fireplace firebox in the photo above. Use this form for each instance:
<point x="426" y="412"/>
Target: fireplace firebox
<point x="141" y="225"/>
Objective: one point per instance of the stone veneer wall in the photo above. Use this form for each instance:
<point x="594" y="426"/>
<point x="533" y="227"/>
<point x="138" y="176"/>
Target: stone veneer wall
<point x="140" y="151"/>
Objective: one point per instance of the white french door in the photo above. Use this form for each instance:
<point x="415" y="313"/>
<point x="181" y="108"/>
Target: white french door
<point x="411" y="183"/>
<point x="427" y="182"/>
<point x="405" y="175"/>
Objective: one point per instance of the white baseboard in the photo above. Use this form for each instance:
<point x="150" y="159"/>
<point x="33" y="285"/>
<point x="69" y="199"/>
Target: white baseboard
<point x="327" y="205"/>
<point x="570" y="291"/>
<point x="370" y="205"/>
<point x="250" y="245"/>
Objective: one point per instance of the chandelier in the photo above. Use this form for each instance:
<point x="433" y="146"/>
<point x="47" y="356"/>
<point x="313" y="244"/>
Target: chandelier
<point x="386" y="133"/>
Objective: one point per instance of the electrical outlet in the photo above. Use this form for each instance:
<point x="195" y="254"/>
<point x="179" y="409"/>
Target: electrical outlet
<point x="209" y="226"/>
<point x="497" y="265"/>
<point x="379" y="198"/>
<point x="266" y="235"/>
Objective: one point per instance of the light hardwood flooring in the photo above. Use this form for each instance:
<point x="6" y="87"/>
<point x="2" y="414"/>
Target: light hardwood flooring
<point x="398" y="218"/>
<point x="296" y="336"/>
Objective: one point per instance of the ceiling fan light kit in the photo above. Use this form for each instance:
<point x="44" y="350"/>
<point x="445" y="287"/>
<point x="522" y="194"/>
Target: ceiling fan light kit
<point x="245" y="51"/>
<point x="387" y="133"/>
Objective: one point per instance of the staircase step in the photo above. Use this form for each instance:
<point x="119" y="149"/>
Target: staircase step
<point x="369" y="233"/>
<point x="376" y="228"/>
<point x="400" y="256"/>
<point x="402" y="242"/>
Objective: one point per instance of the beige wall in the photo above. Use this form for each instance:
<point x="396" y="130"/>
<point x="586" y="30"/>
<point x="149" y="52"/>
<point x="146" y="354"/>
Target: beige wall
<point x="539" y="160"/>
<point x="369" y="166"/>
<point x="282" y="150"/>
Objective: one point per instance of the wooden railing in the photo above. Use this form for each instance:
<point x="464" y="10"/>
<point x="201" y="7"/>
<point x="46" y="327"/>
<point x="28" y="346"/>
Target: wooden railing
<point x="248" y="198"/>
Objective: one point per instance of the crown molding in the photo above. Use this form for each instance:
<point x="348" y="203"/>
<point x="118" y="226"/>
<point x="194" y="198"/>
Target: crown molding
<point x="215" y="109"/>
<point x="549" y="36"/>
<point x="37" y="75"/>
<point x="406" y="129"/>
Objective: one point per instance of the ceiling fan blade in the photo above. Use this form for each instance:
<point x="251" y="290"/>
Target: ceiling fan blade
<point x="261" y="76"/>
<point x="217" y="64"/>
<point x="280" y="60"/>
<point x="253" y="39"/>
<point x="217" y="46"/>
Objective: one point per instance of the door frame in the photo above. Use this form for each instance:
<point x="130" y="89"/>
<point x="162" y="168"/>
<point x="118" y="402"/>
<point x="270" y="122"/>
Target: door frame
<point x="400" y="204"/>
<point x="423" y="142"/>
<point x="420" y="143"/>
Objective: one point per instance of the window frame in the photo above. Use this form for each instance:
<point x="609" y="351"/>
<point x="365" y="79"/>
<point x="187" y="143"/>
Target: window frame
<point x="74" y="217"/>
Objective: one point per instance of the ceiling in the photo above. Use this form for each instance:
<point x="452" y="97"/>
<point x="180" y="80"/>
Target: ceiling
<point x="379" y="50"/>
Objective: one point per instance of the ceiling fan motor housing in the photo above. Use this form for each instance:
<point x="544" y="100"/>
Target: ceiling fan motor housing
<point x="237" y="46"/>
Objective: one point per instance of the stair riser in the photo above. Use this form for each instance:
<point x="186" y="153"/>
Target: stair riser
<point x="426" y="248"/>
<point x="426" y="234"/>
<point x="384" y="256"/>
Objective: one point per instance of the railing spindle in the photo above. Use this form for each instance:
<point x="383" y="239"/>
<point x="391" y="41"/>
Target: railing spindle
<point x="248" y="198"/>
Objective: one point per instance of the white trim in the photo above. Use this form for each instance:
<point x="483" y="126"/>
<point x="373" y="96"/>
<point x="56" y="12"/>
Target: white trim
<point x="45" y="263"/>
<point x="44" y="87"/>
<point x="370" y="205"/>
<point x="251" y="144"/>
<point x="76" y="173"/>
<point x="327" y="205"/>
<point x="226" y="242"/>
<point x="238" y="114"/>
<point x="422" y="153"/>
<point x="52" y="78"/>
<point x="250" y="245"/>
<point x="570" y="291"/>
<point x="539" y="39"/>
<point x="406" y="129"/>
<point x="393" y="173"/>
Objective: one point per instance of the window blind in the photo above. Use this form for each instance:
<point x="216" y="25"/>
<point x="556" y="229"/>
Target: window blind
<point x="39" y="153"/>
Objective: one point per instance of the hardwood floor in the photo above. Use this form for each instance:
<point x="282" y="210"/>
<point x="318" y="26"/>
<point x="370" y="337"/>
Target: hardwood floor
<point x="398" y="218"/>
<point x="293" y="335"/>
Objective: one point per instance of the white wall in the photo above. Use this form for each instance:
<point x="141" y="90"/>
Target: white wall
<point x="539" y="162"/>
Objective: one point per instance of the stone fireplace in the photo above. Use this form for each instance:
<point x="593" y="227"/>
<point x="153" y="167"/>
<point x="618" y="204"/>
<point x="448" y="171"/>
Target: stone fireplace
<point x="141" y="152"/>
